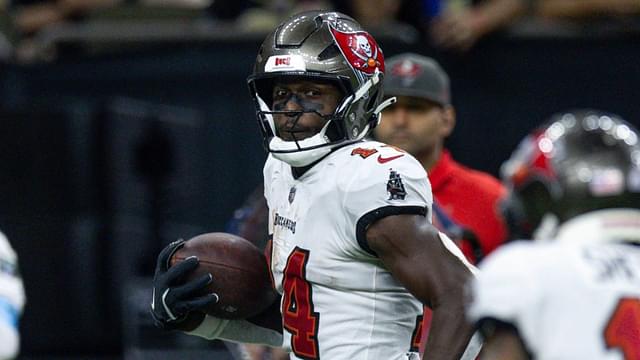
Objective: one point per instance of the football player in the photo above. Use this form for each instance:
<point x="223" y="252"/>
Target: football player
<point x="576" y="180"/>
<point x="12" y="300"/>
<point x="353" y="252"/>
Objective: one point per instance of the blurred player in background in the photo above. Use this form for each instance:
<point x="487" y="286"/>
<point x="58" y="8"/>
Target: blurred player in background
<point x="576" y="180"/>
<point x="466" y="201"/>
<point x="353" y="252"/>
<point x="12" y="300"/>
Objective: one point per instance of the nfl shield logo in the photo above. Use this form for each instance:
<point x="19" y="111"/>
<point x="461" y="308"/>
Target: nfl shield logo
<point x="292" y="194"/>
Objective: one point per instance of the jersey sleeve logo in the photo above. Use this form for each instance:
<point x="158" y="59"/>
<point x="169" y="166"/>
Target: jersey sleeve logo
<point x="363" y="152"/>
<point x="383" y="160"/>
<point x="395" y="187"/>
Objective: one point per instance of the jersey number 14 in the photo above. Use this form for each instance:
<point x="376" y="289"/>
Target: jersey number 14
<point x="623" y="330"/>
<point x="297" y="307"/>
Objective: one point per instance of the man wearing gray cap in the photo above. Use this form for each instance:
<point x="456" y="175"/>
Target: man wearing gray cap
<point x="419" y="123"/>
<point x="466" y="201"/>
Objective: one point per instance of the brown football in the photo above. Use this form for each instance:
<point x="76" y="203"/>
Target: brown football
<point x="240" y="273"/>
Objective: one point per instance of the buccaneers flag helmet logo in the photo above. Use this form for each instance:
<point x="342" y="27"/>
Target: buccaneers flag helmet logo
<point x="361" y="50"/>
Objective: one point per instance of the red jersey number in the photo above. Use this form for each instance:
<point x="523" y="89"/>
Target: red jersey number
<point x="416" y="337"/>
<point x="623" y="330"/>
<point x="297" y="307"/>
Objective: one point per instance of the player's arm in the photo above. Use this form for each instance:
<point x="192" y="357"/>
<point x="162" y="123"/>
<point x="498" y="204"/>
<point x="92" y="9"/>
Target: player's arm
<point x="502" y="342"/>
<point x="264" y="328"/>
<point x="178" y="304"/>
<point x="411" y="248"/>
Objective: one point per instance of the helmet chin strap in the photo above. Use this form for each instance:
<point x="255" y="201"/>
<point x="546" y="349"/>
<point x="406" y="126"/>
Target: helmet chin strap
<point x="294" y="153"/>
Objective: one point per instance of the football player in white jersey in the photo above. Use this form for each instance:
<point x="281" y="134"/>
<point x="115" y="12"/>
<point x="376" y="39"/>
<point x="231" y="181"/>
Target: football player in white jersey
<point x="576" y="180"/>
<point x="12" y="300"/>
<point x="353" y="252"/>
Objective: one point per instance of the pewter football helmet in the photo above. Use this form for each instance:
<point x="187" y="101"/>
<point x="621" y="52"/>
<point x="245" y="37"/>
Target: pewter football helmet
<point x="577" y="162"/>
<point x="320" y="46"/>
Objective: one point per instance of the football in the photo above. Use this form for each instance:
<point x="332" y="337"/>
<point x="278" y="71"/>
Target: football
<point x="240" y="273"/>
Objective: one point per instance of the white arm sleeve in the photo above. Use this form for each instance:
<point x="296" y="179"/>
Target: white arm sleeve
<point x="237" y="331"/>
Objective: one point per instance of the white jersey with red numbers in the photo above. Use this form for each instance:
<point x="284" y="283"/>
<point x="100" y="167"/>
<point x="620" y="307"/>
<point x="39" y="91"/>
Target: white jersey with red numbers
<point x="339" y="302"/>
<point x="575" y="298"/>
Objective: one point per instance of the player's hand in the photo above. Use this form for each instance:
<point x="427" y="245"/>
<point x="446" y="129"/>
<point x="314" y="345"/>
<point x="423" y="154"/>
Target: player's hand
<point x="178" y="303"/>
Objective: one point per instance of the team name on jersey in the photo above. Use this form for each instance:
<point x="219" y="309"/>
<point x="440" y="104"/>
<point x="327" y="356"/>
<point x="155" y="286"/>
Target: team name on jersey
<point x="284" y="222"/>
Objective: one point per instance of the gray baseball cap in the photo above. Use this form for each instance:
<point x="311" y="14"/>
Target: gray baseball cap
<point x="415" y="75"/>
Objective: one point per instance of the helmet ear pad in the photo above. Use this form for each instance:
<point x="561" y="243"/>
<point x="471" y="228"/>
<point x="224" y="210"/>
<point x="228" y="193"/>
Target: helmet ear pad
<point x="524" y="208"/>
<point x="536" y="202"/>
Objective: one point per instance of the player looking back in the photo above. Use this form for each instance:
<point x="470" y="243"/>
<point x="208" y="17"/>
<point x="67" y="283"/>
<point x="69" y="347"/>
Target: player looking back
<point x="575" y="180"/>
<point x="353" y="252"/>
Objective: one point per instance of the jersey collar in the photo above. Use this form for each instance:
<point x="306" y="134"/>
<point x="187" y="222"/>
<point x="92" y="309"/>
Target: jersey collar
<point x="609" y="225"/>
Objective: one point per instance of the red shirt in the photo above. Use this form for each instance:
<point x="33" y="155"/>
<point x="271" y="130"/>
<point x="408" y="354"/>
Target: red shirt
<point x="471" y="198"/>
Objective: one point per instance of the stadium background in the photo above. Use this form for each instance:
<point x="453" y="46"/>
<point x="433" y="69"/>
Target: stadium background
<point x="122" y="144"/>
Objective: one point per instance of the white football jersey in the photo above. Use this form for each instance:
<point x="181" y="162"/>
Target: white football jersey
<point x="339" y="302"/>
<point x="12" y="299"/>
<point x="569" y="299"/>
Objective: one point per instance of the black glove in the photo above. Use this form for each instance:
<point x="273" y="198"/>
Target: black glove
<point x="178" y="303"/>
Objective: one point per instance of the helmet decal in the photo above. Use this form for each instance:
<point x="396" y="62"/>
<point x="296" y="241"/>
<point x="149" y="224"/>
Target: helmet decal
<point x="285" y="63"/>
<point x="360" y="50"/>
<point x="532" y="161"/>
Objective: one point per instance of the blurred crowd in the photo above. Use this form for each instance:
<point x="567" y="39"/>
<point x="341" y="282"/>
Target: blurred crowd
<point x="450" y="25"/>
